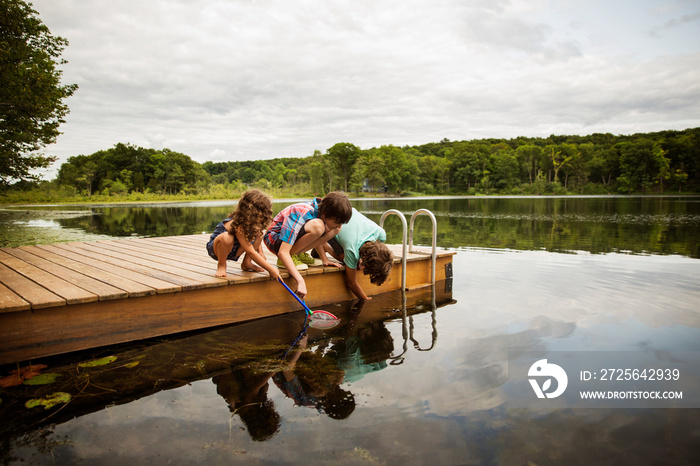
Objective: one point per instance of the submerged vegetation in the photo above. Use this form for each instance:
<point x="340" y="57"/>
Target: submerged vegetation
<point x="662" y="162"/>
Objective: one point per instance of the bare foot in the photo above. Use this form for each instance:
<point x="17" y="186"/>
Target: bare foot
<point x="253" y="268"/>
<point x="248" y="266"/>
<point x="221" y="271"/>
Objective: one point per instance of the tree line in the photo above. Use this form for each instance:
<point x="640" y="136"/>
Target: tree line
<point x="667" y="161"/>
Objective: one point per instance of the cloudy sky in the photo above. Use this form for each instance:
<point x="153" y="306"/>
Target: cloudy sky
<point x="257" y="79"/>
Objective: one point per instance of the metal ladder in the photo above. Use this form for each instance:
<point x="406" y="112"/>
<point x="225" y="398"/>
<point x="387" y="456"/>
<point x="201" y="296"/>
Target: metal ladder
<point x="407" y="330"/>
<point x="410" y="241"/>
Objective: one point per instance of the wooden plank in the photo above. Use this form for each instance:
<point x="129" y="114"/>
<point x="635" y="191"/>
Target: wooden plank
<point x="71" y="293"/>
<point x="160" y="286"/>
<point x="147" y="268"/>
<point x="190" y="241"/>
<point x="38" y="296"/>
<point x="10" y="301"/>
<point x="191" y="256"/>
<point x="199" y="257"/>
<point x="132" y="288"/>
<point x="201" y="263"/>
<point x="188" y="279"/>
<point x="102" y="290"/>
<point x="164" y="258"/>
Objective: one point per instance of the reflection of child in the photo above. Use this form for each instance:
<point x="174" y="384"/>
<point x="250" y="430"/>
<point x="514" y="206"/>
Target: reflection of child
<point x="305" y="226"/>
<point x="309" y="388"/>
<point x="244" y="232"/>
<point x="246" y="393"/>
<point x="360" y="245"/>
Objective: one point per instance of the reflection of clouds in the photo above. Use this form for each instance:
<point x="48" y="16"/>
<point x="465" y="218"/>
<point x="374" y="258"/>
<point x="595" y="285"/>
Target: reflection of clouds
<point x="538" y="301"/>
<point x="508" y="288"/>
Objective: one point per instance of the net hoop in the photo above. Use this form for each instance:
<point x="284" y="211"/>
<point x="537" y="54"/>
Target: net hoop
<point x="323" y="320"/>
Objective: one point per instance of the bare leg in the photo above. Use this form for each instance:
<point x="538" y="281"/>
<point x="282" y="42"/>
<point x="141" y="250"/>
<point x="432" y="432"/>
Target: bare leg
<point x="315" y="236"/>
<point x="329" y="249"/>
<point x="223" y="244"/>
<point x="247" y="263"/>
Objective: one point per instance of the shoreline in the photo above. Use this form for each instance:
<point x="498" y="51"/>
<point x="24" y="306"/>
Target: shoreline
<point x="360" y="198"/>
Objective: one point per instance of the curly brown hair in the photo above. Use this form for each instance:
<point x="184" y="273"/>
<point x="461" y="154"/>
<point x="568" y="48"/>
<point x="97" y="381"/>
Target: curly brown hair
<point x="253" y="214"/>
<point x="378" y="261"/>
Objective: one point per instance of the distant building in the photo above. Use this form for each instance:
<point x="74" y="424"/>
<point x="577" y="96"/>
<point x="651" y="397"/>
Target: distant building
<point x="367" y="188"/>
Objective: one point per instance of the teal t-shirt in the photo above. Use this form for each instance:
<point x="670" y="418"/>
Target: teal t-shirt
<point x="355" y="233"/>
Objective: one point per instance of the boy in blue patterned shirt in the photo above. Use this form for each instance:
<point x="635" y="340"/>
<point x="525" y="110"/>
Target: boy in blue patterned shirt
<point x="302" y="227"/>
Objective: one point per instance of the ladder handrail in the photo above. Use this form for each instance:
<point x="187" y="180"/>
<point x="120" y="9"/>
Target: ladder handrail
<point x="434" y="242"/>
<point x="403" y="243"/>
<point x="407" y="330"/>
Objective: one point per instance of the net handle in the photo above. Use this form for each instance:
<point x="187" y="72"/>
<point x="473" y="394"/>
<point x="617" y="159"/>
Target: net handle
<point x="306" y="308"/>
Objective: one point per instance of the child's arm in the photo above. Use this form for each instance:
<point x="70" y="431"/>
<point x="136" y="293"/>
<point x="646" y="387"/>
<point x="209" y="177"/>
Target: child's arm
<point x="321" y="250"/>
<point x="351" y="281"/>
<point x="286" y="257"/>
<point x="257" y="256"/>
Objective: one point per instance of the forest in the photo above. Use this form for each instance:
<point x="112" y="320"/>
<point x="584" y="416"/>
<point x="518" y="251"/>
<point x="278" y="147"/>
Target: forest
<point x="645" y="163"/>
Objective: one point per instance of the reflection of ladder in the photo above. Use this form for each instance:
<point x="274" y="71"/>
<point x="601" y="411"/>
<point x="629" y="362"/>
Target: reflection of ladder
<point x="408" y="332"/>
<point x="410" y="241"/>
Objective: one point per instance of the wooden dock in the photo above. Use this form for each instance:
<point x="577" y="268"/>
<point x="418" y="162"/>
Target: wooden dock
<point x="66" y="297"/>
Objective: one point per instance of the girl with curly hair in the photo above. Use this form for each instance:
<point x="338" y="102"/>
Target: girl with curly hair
<point x="241" y="234"/>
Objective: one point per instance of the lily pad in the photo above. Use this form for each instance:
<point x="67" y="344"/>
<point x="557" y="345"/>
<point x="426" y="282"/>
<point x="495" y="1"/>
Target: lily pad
<point x="49" y="401"/>
<point x="43" y="379"/>
<point x="131" y="364"/>
<point x="35" y="368"/>
<point x="18" y="376"/>
<point x="98" y="362"/>
<point x="11" y="381"/>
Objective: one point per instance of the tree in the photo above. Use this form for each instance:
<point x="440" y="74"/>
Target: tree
<point x="31" y="95"/>
<point x="343" y="157"/>
<point x="469" y="163"/>
<point x="528" y="155"/>
<point x="369" y="166"/>
<point x="504" y="169"/>
<point x="399" y="170"/>
<point x="642" y="164"/>
<point x="560" y="156"/>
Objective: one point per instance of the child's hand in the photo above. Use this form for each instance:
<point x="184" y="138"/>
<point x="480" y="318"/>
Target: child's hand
<point x="327" y="263"/>
<point x="301" y="290"/>
<point x="275" y="274"/>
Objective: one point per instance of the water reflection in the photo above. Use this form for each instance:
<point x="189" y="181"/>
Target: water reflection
<point x="310" y="367"/>
<point x="640" y="225"/>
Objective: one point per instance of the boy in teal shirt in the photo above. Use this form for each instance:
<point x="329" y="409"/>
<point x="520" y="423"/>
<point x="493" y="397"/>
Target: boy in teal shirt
<point x="360" y="245"/>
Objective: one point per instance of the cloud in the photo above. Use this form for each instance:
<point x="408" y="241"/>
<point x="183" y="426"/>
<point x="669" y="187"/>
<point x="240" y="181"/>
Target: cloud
<point x="675" y="22"/>
<point x="241" y="80"/>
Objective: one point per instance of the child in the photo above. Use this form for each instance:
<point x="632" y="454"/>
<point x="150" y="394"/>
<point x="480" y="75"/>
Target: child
<point x="241" y="233"/>
<point x="360" y="245"/>
<point x="305" y="226"/>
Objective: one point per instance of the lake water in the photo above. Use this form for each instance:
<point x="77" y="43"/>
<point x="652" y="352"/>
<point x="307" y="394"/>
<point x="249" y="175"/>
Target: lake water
<point x="595" y="283"/>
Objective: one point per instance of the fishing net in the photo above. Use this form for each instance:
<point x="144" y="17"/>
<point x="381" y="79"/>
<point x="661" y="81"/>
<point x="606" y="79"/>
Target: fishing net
<point x="322" y="320"/>
<point x="317" y="319"/>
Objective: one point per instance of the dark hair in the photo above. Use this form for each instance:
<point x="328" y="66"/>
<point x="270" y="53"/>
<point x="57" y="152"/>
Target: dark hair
<point x="337" y="403"/>
<point x="253" y="214"/>
<point x="378" y="261"/>
<point x="336" y="206"/>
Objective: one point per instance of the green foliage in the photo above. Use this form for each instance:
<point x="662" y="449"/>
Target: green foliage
<point x="31" y="94"/>
<point x="595" y="164"/>
<point x="343" y="157"/>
